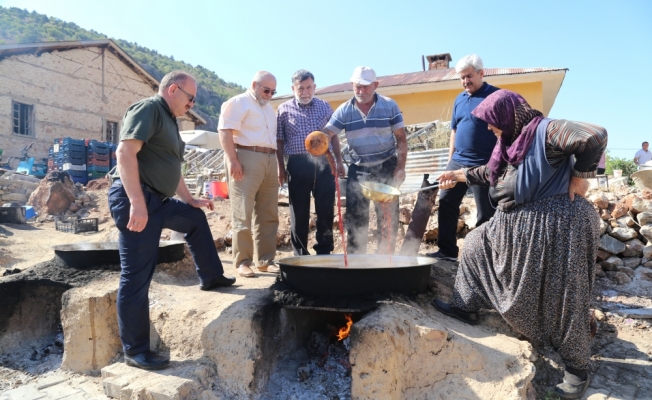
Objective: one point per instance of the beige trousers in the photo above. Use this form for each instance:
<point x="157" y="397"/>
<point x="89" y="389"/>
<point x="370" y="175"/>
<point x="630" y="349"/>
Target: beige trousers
<point x="255" y="197"/>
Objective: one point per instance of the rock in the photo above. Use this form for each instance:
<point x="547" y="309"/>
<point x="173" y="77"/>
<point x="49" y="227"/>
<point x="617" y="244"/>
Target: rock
<point x="461" y="224"/>
<point x="648" y="264"/>
<point x="228" y="238"/>
<point x="647" y="251"/>
<point x="17" y="197"/>
<point x="633" y="248"/>
<point x="312" y="223"/>
<point x="602" y="255"/>
<point x="631" y="262"/>
<point x="643" y="274"/>
<point x="627" y="270"/>
<point x="54" y="194"/>
<point x="597" y="270"/>
<point x="600" y="201"/>
<point x="639" y="205"/>
<point x="74" y="207"/>
<point x="463" y="360"/>
<point x="644" y="218"/>
<point x="612" y="263"/>
<point x="431" y="234"/>
<point x="404" y="215"/>
<point x="646" y="232"/>
<point x="469" y="219"/>
<point x="282" y="238"/>
<point x="219" y="243"/>
<point x="605" y="215"/>
<point x="624" y="234"/>
<point x="619" y="222"/>
<point x="463" y="208"/>
<point x="611" y="245"/>
<point x="619" y="210"/>
<point x="90" y="326"/>
<point x="599" y="315"/>
<point x="622" y="278"/>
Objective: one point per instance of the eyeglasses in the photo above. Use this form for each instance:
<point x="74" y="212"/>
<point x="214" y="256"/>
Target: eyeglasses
<point x="191" y="98"/>
<point x="267" y="90"/>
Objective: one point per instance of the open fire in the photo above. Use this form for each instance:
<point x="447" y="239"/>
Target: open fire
<point x="344" y="331"/>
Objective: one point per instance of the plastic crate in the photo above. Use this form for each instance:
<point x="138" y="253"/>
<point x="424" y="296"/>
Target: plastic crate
<point x="78" y="176"/>
<point x="92" y="156"/>
<point x="72" y="157"/>
<point x="75" y="225"/>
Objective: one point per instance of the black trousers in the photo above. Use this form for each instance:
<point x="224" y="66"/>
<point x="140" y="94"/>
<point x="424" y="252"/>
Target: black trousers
<point x="311" y="175"/>
<point x="357" y="209"/>
<point x="139" y="252"/>
<point x="449" y="211"/>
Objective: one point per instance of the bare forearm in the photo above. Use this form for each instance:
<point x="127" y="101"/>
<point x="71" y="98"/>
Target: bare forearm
<point x="280" y="154"/>
<point x="183" y="192"/>
<point x="228" y="145"/>
<point x="401" y="148"/>
<point x="129" y="176"/>
<point x="335" y="143"/>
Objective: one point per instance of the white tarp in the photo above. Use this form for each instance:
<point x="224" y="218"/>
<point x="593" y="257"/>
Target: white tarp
<point x="204" y="139"/>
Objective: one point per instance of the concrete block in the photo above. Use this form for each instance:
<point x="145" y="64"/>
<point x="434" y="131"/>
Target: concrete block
<point x="62" y="392"/>
<point x="49" y="381"/>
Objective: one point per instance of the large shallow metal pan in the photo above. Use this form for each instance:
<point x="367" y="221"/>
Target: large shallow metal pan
<point x="87" y="255"/>
<point x="326" y="275"/>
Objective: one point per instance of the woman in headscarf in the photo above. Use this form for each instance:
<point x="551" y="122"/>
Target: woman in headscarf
<point x="533" y="261"/>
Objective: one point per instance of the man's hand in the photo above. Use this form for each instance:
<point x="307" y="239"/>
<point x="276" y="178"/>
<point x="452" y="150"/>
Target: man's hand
<point x="199" y="203"/>
<point x="577" y="186"/>
<point x="137" y="217"/>
<point x="341" y="171"/>
<point x="282" y="175"/>
<point x="399" y="176"/>
<point x="236" y="169"/>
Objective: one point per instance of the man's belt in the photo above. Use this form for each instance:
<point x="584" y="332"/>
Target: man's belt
<point x="257" y="149"/>
<point x="146" y="188"/>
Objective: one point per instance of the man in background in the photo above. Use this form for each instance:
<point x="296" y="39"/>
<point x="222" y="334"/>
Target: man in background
<point x="247" y="129"/>
<point x="305" y="174"/>
<point x="643" y="155"/>
<point x="471" y="144"/>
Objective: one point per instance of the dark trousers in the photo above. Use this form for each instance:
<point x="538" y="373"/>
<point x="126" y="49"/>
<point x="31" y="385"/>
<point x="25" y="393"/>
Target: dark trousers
<point x="357" y="209"/>
<point x="311" y="175"/>
<point x="139" y="252"/>
<point x="449" y="211"/>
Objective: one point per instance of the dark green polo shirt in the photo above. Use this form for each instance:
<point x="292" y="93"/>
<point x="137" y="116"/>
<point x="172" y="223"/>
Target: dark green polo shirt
<point x="159" y="160"/>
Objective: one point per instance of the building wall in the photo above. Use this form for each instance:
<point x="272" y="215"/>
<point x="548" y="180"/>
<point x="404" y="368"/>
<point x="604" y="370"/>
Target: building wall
<point x="430" y="106"/>
<point x="68" y="95"/>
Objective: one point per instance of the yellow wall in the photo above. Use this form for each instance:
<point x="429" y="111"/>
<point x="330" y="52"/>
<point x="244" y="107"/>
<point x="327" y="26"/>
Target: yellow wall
<point x="430" y="106"/>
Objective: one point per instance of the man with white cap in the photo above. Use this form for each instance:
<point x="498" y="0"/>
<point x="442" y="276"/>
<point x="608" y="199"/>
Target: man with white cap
<point x="376" y="138"/>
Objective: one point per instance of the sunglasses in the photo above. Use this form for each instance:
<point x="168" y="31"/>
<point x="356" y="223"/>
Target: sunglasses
<point x="191" y="98"/>
<point x="267" y="90"/>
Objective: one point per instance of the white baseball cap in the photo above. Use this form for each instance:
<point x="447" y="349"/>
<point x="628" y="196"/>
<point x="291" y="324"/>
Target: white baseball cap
<point x="363" y="76"/>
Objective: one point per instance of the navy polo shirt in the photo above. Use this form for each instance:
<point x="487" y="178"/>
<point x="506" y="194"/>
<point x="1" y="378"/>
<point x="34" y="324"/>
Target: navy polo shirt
<point x="474" y="142"/>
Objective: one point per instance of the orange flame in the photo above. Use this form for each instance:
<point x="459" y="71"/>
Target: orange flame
<point x="344" y="331"/>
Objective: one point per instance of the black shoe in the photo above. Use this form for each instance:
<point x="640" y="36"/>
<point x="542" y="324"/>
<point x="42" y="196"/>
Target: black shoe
<point x="147" y="360"/>
<point x="217" y="282"/>
<point x="441" y="256"/>
<point x="447" y="309"/>
<point x="573" y="387"/>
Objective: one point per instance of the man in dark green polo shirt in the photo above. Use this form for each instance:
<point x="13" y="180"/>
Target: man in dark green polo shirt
<point x="148" y="174"/>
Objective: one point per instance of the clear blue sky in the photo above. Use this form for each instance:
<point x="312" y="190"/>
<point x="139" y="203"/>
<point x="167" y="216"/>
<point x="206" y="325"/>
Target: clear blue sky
<point x="606" y="45"/>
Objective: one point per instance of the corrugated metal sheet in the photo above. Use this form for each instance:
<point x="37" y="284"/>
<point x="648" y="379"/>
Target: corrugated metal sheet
<point x="431" y="162"/>
<point x="431" y="76"/>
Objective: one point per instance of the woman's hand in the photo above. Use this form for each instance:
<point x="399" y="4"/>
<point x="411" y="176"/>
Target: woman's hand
<point x="449" y="179"/>
<point x="577" y="186"/>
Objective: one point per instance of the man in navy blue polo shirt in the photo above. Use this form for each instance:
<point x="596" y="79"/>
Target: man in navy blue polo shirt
<point x="471" y="145"/>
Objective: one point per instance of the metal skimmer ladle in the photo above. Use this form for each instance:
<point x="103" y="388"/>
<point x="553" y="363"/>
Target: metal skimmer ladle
<point x="383" y="193"/>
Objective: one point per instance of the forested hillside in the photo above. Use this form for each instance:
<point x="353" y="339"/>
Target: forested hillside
<point x="21" y="26"/>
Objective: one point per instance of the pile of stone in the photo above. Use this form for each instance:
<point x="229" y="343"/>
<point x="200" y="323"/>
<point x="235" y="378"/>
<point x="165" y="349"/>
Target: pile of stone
<point x="625" y="250"/>
<point x="16" y="188"/>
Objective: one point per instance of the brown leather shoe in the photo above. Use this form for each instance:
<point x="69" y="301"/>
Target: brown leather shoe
<point x="245" y="271"/>
<point x="271" y="268"/>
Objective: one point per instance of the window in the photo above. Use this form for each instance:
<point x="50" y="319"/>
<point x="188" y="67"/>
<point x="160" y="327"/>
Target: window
<point x="23" y="118"/>
<point x="112" y="134"/>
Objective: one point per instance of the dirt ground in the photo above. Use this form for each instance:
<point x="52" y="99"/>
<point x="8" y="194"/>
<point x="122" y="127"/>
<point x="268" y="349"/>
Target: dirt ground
<point x="622" y="349"/>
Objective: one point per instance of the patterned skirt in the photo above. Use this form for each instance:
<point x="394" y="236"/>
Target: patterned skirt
<point x="534" y="265"/>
